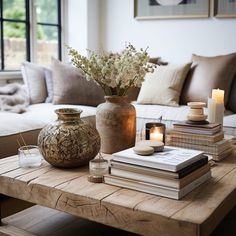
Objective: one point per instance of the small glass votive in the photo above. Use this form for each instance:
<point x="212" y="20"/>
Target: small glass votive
<point x="155" y="131"/>
<point x="29" y="156"/>
<point x="98" y="167"/>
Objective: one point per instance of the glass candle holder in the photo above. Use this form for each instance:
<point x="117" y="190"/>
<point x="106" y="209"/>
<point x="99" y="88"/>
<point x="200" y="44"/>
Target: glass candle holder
<point x="98" y="167"/>
<point x="155" y="131"/>
<point x="29" y="156"/>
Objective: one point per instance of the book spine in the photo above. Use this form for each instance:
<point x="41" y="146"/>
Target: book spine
<point x="195" y="140"/>
<point x="142" y="187"/>
<point x="162" y="173"/>
<point x="156" y="189"/>
<point x="206" y="138"/>
<point x="190" y="187"/>
<point x="144" y="170"/>
<point x="195" y="131"/>
<point x="214" y="150"/>
<point x="173" y="183"/>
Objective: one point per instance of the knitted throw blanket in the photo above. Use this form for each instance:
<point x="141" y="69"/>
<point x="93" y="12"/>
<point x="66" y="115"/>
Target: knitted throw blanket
<point x="13" y="98"/>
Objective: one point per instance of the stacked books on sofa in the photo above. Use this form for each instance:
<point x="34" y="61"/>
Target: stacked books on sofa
<point x="208" y="138"/>
<point x="172" y="173"/>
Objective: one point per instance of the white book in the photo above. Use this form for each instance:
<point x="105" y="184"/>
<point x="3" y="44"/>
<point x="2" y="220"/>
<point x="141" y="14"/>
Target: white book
<point x="156" y="189"/>
<point x="171" y="159"/>
<point x="159" y="180"/>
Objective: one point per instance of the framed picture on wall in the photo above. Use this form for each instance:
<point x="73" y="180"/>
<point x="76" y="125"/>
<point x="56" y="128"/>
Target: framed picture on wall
<point x="171" y="9"/>
<point x="225" y="8"/>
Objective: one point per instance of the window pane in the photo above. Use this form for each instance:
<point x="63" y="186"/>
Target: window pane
<point x="47" y="44"/>
<point x="14" y="9"/>
<point x="47" y="11"/>
<point x="14" y="45"/>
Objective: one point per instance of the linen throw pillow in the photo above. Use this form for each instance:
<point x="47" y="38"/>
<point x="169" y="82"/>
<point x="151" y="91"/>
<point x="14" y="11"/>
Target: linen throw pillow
<point x="232" y="97"/>
<point x="164" y="85"/>
<point x="71" y="87"/>
<point x="34" y="79"/>
<point x="209" y="73"/>
<point x="49" y="84"/>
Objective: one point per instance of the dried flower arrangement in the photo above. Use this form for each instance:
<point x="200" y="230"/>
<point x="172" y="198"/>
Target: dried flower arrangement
<point x="114" y="72"/>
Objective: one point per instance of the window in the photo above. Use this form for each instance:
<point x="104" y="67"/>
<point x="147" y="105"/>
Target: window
<point x="30" y="30"/>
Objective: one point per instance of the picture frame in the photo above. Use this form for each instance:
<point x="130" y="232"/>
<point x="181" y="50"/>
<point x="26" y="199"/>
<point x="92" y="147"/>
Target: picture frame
<point x="225" y="8"/>
<point x="171" y="9"/>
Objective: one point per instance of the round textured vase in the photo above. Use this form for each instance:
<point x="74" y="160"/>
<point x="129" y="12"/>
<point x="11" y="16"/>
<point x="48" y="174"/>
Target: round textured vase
<point x="70" y="141"/>
<point x="116" y="124"/>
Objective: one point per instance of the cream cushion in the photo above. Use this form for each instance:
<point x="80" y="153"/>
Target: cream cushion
<point x="209" y="73"/>
<point x="164" y="85"/>
<point x="34" y="78"/>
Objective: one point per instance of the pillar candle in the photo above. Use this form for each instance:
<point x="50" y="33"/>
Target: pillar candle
<point x="218" y="96"/>
<point x="211" y="110"/>
<point x="216" y="106"/>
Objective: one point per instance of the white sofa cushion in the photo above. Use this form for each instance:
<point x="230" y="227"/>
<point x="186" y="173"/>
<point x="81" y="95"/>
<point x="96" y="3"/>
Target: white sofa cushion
<point x="164" y="85"/>
<point x="34" y="78"/>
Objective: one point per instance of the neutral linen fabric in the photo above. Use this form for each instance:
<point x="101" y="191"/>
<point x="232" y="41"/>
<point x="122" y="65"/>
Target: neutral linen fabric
<point x="209" y="73"/>
<point x="71" y="87"/>
<point x="49" y="84"/>
<point x="232" y="97"/>
<point x="36" y="117"/>
<point x="34" y="78"/>
<point x="13" y="98"/>
<point x="164" y="85"/>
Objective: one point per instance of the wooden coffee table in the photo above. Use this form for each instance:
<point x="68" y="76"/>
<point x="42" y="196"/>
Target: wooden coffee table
<point x="68" y="190"/>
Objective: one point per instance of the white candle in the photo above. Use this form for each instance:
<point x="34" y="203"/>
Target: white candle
<point x="215" y="111"/>
<point x="211" y="110"/>
<point x="219" y="113"/>
<point x="156" y="135"/>
<point x="218" y="96"/>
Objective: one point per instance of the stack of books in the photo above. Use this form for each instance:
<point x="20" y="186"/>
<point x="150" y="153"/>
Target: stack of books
<point x="172" y="173"/>
<point x="208" y="138"/>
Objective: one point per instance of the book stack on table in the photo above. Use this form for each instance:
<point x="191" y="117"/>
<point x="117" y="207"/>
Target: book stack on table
<point x="208" y="138"/>
<point x="172" y="173"/>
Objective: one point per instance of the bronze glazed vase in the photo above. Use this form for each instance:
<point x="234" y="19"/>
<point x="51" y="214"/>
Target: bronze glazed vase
<point x="70" y="141"/>
<point x="116" y="124"/>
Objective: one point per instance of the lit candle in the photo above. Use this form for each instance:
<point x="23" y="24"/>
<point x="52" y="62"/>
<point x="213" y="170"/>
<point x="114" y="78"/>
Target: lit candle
<point x="216" y="106"/>
<point x="156" y="135"/>
<point x="218" y="96"/>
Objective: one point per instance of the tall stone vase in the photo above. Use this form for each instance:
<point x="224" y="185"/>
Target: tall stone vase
<point x="116" y="124"/>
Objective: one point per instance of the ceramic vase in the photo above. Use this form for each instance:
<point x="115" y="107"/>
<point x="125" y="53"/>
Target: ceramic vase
<point x="70" y="141"/>
<point x="116" y="124"/>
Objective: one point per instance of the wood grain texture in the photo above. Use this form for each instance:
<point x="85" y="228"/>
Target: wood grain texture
<point x="42" y="221"/>
<point x="198" y="213"/>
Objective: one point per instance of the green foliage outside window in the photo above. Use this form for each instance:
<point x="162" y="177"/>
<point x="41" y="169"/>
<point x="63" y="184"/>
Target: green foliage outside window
<point x="15" y="9"/>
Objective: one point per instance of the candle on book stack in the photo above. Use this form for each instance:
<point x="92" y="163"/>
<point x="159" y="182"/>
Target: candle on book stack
<point x="216" y="106"/>
<point x="155" y="131"/>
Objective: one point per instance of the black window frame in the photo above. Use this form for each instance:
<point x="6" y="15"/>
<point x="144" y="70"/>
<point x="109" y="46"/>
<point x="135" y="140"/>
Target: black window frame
<point x="28" y="31"/>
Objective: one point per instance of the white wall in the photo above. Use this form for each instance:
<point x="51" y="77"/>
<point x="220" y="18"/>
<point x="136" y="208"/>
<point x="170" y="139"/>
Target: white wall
<point x="173" y="40"/>
<point x="83" y="25"/>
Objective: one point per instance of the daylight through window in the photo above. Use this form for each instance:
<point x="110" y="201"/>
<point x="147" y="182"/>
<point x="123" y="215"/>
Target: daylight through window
<point x="30" y="30"/>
